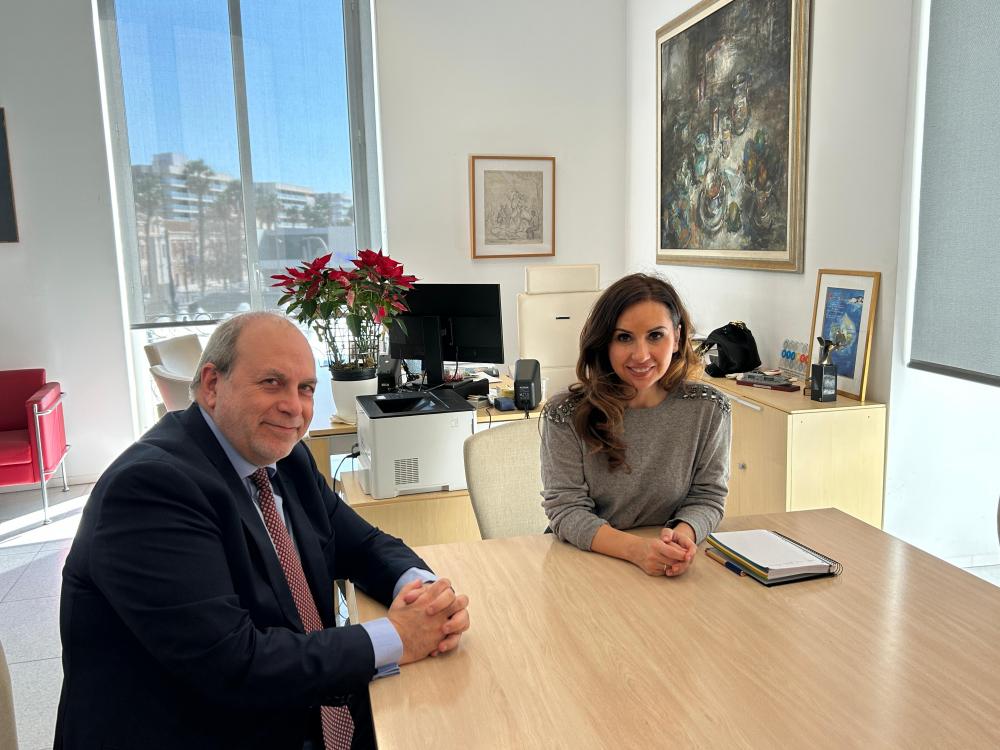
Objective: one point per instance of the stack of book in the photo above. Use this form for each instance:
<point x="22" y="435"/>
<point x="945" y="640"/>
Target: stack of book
<point x="757" y="379"/>
<point x="770" y="557"/>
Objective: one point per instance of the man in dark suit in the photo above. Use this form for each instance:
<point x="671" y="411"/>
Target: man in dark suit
<point x="198" y="599"/>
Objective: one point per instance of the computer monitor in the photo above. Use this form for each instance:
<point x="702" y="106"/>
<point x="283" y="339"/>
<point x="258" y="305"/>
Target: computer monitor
<point x="449" y="322"/>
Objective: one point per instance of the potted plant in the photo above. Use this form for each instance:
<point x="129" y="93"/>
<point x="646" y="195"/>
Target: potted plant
<point x="367" y="298"/>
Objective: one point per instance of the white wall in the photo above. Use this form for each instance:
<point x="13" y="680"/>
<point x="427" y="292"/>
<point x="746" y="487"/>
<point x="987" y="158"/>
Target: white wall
<point x="857" y="111"/>
<point x="60" y="304"/>
<point x="942" y="484"/>
<point x="461" y="77"/>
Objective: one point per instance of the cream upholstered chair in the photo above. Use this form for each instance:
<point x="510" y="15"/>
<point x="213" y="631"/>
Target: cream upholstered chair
<point x="8" y="731"/>
<point x="173" y="388"/>
<point x="503" y="469"/>
<point x="172" y="363"/>
<point x="550" y="315"/>
<point x="179" y="355"/>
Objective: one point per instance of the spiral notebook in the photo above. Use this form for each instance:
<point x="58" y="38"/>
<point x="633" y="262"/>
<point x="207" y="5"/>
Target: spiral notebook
<point x="772" y="558"/>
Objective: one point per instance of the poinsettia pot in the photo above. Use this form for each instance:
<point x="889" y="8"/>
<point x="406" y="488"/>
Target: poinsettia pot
<point x="348" y="383"/>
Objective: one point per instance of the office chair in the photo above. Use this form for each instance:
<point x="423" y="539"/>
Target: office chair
<point x="172" y="363"/>
<point x="173" y="388"/>
<point x="550" y="315"/>
<point x="8" y="731"/>
<point x="32" y="432"/>
<point x="503" y="471"/>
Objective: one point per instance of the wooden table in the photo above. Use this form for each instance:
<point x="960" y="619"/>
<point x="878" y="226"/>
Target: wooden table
<point x="570" y="649"/>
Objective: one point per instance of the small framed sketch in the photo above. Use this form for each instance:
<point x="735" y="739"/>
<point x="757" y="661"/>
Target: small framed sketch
<point x="844" y="312"/>
<point x="512" y="206"/>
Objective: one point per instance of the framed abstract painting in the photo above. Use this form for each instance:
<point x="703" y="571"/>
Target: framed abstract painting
<point x="512" y="202"/>
<point x="844" y="313"/>
<point x="731" y="134"/>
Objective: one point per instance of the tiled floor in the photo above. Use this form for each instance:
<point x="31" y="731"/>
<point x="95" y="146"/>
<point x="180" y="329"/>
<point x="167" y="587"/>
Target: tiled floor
<point x="31" y="561"/>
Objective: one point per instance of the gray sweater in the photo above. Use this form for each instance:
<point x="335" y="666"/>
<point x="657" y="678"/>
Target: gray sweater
<point x="678" y="453"/>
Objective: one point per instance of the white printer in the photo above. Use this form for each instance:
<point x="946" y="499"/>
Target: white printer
<point x="413" y="442"/>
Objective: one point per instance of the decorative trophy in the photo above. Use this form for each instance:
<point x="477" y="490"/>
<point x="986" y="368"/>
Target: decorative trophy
<point x="823" y="383"/>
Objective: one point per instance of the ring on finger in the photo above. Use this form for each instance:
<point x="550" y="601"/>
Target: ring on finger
<point x="665" y="566"/>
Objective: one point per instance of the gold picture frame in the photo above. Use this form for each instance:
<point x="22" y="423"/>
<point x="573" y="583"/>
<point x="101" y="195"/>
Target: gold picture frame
<point x="512" y="206"/>
<point x="732" y="78"/>
<point x="849" y="300"/>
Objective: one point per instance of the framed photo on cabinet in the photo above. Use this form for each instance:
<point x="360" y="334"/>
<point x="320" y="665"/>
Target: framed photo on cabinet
<point x="844" y="313"/>
<point x="731" y="134"/>
<point x="512" y="203"/>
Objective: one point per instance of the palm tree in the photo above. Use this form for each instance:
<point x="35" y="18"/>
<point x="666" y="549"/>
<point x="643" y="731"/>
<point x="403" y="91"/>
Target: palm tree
<point x="228" y="204"/>
<point x="198" y="179"/>
<point x="294" y="215"/>
<point x="268" y="206"/>
<point x="319" y="214"/>
<point x="147" y="190"/>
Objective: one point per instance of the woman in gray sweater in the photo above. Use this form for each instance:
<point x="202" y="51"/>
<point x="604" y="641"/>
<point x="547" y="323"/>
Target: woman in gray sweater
<point x="636" y="442"/>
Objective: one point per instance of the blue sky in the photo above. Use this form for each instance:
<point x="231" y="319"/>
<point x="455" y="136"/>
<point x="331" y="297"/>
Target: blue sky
<point x="178" y="80"/>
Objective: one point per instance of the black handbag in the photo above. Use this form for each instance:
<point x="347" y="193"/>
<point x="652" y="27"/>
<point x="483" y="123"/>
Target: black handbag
<point x="737" y="350"/>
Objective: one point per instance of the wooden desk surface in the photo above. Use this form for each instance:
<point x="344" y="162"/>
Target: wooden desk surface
<point x="791" y="402"/>
<point x="575" y="650"/>
<point x="484" y="415"/>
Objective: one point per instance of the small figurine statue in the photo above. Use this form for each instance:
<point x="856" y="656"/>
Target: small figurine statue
<point x="826" y="349"/>
<point x="823" y="384"/>
<point x="829" y="347"/>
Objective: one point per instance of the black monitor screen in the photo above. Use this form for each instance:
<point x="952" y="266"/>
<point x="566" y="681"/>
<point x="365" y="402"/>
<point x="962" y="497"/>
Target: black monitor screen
<point x="468" y="323"/>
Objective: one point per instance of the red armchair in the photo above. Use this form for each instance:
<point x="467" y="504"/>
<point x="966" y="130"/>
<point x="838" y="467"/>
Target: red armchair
<point x="32" y="433"/>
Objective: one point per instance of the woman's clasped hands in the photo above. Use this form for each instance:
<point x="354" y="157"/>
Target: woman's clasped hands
<point x="670" y="554"/>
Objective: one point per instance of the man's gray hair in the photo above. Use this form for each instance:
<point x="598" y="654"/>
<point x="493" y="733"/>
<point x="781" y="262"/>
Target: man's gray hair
<point x="221" y="347"/>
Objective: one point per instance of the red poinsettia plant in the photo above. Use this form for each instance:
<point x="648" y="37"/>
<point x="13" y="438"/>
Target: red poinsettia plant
<point x="367" y="297"/>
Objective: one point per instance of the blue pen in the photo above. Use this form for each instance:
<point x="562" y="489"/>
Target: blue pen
<point x="723" y="561"/>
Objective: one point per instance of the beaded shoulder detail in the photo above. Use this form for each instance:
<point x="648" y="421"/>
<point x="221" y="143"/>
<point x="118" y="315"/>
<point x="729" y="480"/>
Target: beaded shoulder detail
<point x="707" y="393"/>
<point x="560" y="409"/>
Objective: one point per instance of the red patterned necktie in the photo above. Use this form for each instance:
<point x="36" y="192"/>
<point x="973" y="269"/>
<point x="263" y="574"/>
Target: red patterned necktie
<point x="338" y="726"/>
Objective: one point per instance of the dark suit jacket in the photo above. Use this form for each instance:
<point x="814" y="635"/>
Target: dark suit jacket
<point x="178" y="628"/>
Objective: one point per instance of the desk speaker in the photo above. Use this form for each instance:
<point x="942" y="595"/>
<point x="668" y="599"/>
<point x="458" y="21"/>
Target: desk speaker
<point x="388" y="374"/>
<point x="527" y="384"/>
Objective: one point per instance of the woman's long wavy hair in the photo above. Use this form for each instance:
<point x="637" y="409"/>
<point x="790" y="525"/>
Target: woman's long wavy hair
<point x="599" y="418"/>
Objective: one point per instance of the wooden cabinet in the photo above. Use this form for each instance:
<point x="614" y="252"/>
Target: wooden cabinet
<point x="419" y="519"/>
<point x="792" y="453"/>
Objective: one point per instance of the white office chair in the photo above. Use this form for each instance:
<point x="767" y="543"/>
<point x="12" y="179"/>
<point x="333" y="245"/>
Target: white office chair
<point x="8" y="731"/>
<point x="173" y="388"/>
<point x="550" y="315"/>
<point x="172" y="365"/>
<point x="179" y="355"/>
<point x="503" y="470"/>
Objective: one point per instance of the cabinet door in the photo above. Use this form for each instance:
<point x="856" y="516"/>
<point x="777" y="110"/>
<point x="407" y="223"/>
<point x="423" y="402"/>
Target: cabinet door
<point x="759" y="459"/>
<point x="838" y="462"/>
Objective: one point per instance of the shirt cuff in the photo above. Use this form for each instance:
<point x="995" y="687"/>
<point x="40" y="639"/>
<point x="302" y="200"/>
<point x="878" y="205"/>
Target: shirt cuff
<point x="410" y="575"/>
<point x="386" y="644"/>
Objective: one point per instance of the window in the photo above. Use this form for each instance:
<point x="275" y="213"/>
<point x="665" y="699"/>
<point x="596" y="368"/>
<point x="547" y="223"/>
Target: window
<point x="233" y="145"/>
